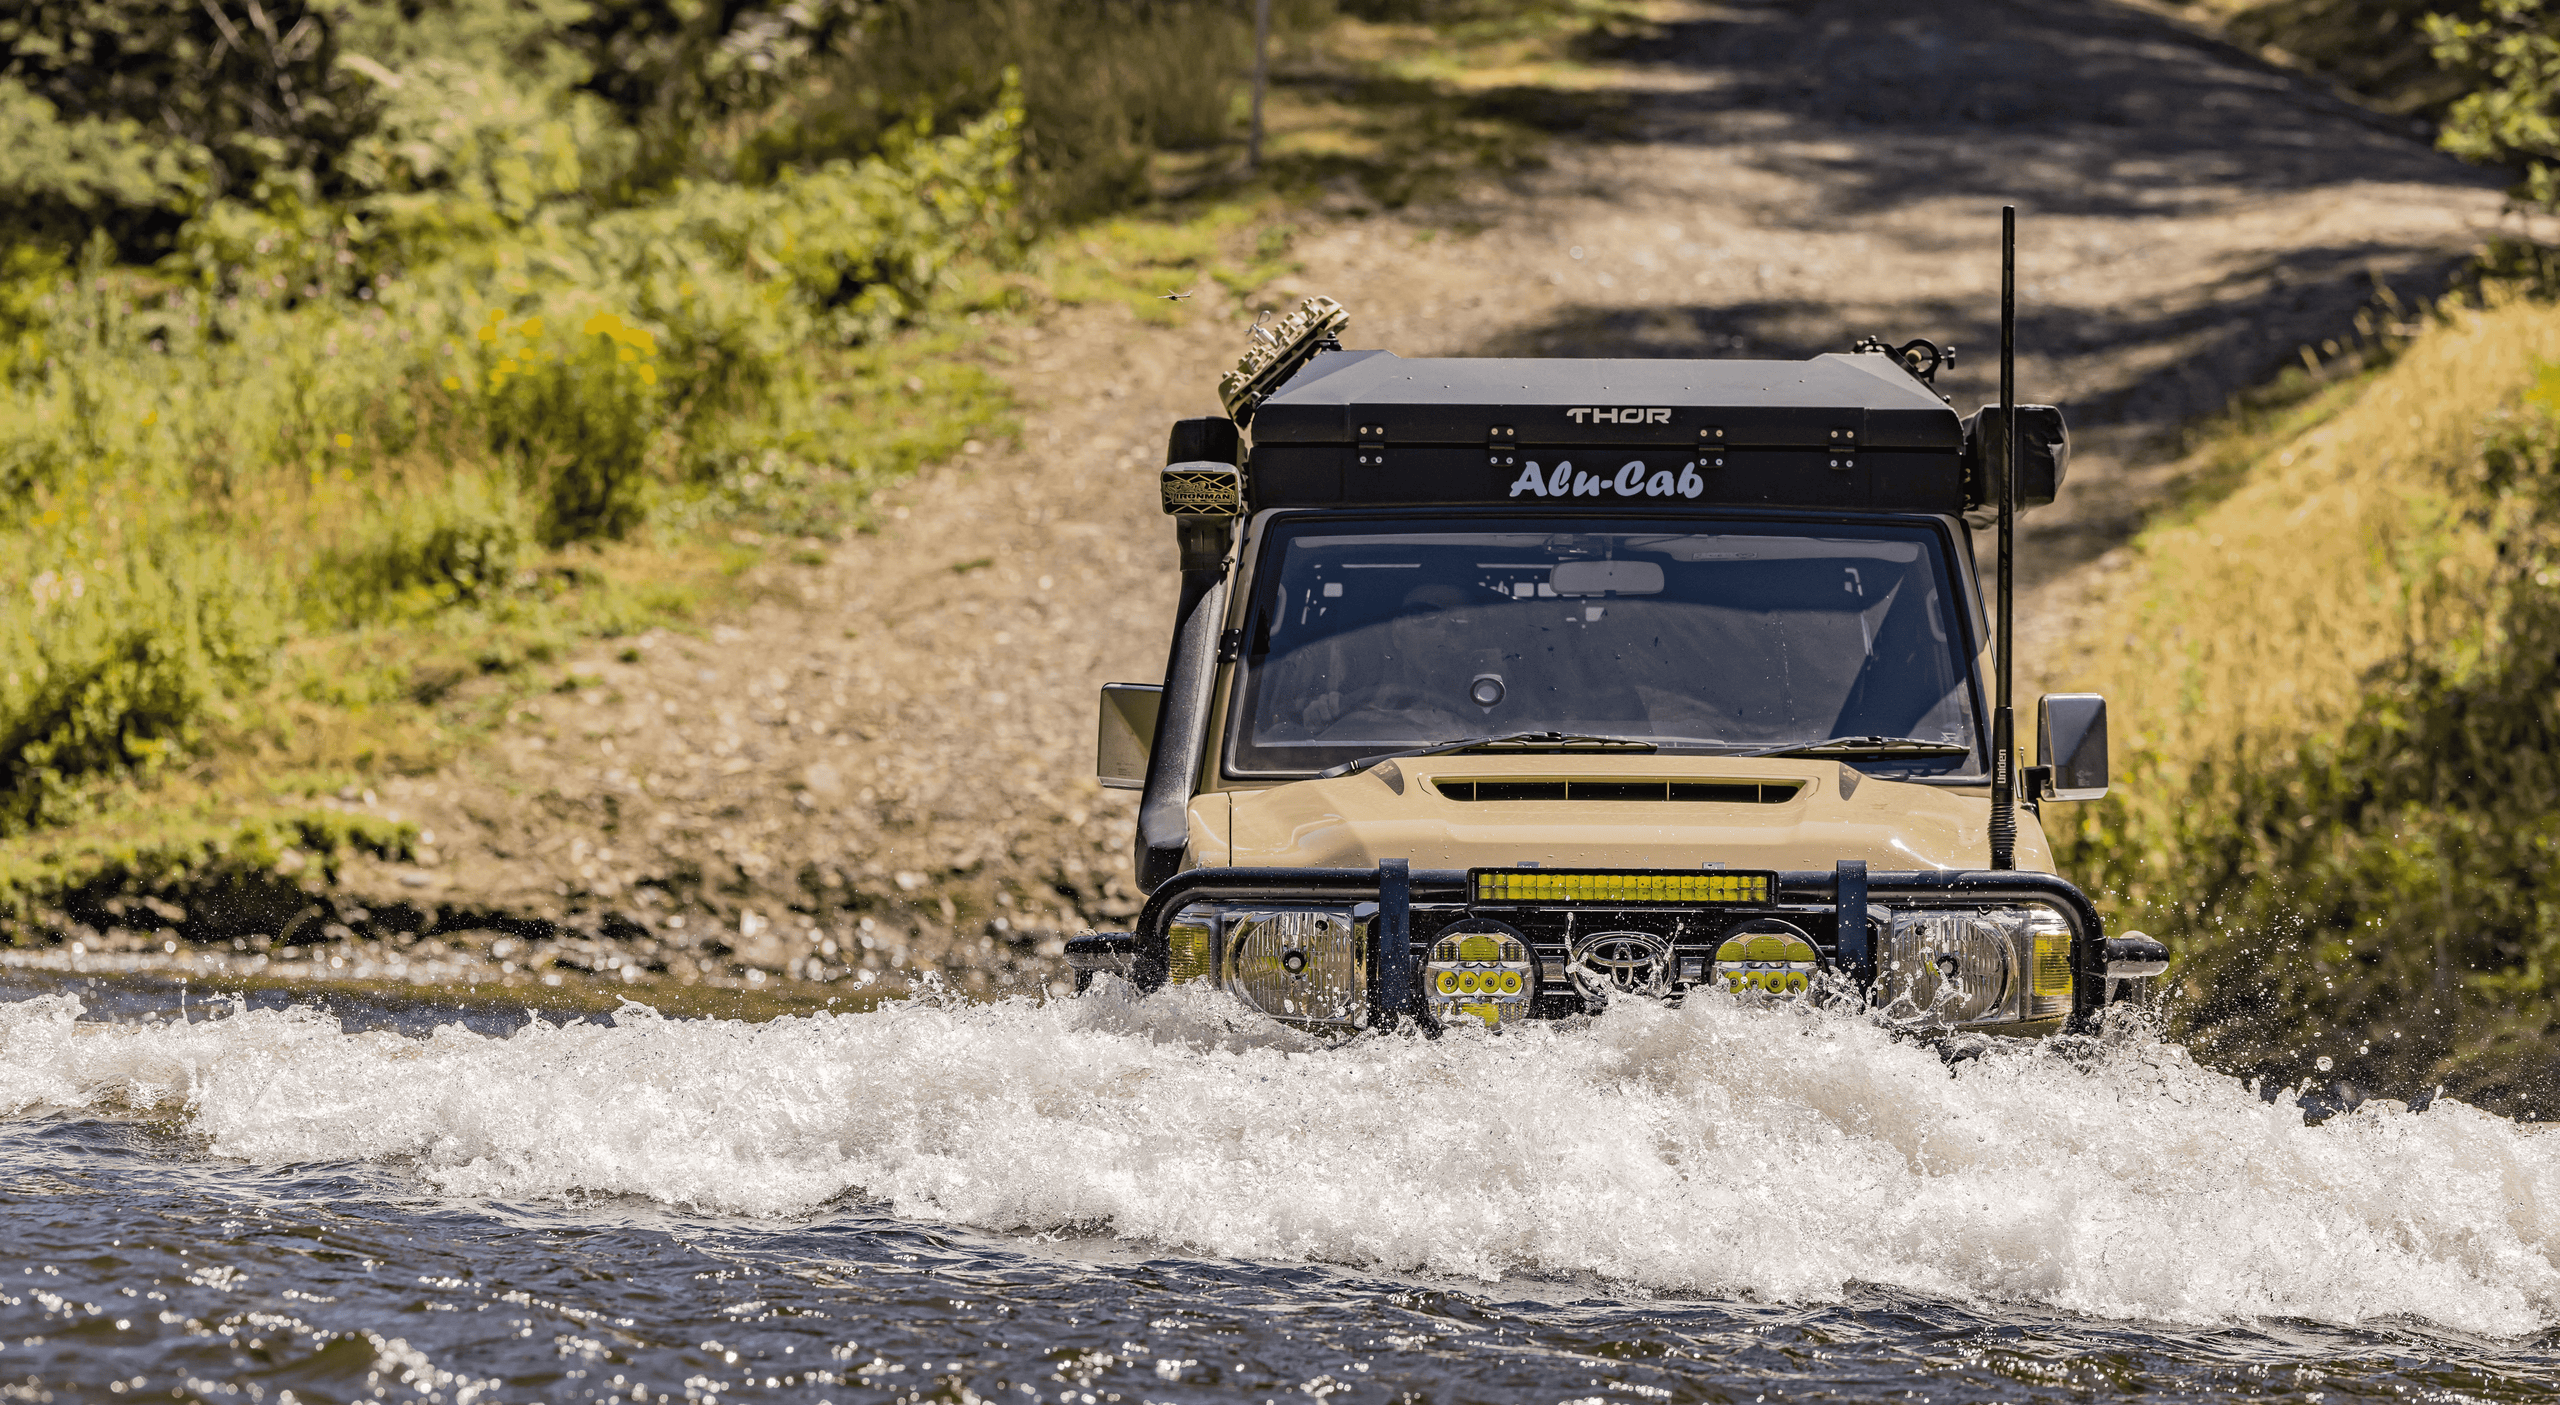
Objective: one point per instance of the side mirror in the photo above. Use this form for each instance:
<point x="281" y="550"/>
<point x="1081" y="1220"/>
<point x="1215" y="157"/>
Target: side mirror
<point x="2071" y="740"/>
<point x="1126" y="735"/>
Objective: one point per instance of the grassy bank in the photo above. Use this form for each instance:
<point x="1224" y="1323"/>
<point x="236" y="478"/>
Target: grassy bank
<point x="2337" y="685"/>
<point x="341" y="399"/>
<point x="264" y="525"/>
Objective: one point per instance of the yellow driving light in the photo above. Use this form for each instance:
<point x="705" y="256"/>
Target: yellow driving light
<point x="1681" y="888"/>
<point x="1191" y="945"/>
<point x="1769" y="958"/>
<point x="2049" y="975"/>
<point x="1479" y="970"/>
<point x="2053" y="963"/>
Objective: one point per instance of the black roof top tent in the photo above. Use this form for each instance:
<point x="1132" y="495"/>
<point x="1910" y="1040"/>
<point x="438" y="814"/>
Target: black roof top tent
<point x="1836" y="431"/>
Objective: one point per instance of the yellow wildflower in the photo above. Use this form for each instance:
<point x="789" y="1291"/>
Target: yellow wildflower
<point x="345" y="441"/>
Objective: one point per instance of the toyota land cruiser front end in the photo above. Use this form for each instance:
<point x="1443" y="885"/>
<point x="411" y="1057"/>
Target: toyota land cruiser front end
<point x="1503" y="689"/>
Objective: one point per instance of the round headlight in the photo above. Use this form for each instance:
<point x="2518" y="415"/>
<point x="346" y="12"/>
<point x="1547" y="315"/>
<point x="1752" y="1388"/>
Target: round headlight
<point x="1302" y="965"/>
<point x="1949" y="967"/>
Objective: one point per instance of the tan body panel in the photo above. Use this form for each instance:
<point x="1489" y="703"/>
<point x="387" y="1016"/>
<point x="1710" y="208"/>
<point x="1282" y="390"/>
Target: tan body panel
<point x="1395" y="810"/>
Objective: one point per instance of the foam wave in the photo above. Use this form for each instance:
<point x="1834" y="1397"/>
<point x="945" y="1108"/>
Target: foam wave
<point x="1712" y="1148"/>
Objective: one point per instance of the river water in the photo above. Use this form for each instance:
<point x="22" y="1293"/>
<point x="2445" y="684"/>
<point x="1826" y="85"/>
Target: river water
<point x="1116" y="1200"/>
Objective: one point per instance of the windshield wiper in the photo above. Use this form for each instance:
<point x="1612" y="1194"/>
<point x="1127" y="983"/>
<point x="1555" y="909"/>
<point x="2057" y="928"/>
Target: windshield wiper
<point x="1866" y="746"/>
<point x="1516" y="741"/>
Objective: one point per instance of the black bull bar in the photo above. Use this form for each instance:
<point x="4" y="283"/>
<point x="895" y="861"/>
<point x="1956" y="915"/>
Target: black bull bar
<point x="1395" y="887"/>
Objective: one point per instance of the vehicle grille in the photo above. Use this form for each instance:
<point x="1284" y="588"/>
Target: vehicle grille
<point x="1617" y="788"/>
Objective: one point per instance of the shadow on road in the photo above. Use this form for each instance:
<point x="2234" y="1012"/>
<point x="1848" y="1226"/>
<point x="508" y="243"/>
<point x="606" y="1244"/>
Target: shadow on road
<point x="2084" y="107"/>
<point x="2250" y="322"/>
<point x="2191" y="216"/>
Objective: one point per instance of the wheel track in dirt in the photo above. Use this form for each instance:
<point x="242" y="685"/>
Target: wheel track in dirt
<point x="898" y="736"/>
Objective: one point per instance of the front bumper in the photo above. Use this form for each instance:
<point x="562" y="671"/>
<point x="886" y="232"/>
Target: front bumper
<point x="1401" y="912"/>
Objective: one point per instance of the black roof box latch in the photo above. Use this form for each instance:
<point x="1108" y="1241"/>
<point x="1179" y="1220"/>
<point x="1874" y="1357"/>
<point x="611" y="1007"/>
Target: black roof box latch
<point x="1844" y="449"/>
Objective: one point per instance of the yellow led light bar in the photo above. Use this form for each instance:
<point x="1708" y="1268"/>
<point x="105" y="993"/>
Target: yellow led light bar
<point x="1622" y="889"/>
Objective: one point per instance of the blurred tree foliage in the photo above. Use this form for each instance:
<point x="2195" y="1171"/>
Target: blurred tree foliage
<point x="2508" y="61"/>
<point x="2486" y="72"/>
<point x="127" y="113"/>
<point x="2376" y="47"/>
<point x="137" y="117"/>
<point x="1103" y="83"/>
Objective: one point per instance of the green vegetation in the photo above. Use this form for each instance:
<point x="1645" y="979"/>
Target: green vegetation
<point x="2376" y="48"/>
<point x="2337" y="666"/>
<point x="2339" y="697"/>
<point x="2487" y="72"/>
<point x="208" y="466"/>
<point x="2508" y="61"/>
<point x="351" y="350"/>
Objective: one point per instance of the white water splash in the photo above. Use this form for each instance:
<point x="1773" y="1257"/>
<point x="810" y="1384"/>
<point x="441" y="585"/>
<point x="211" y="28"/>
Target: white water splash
<point x="1712" y="1148"/>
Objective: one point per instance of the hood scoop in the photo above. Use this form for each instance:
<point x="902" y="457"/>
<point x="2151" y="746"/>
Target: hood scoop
<point x="1682" y="790"/>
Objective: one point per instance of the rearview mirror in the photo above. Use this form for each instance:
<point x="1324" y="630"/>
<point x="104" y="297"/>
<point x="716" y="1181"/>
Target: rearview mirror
<point x="1126" y="734"/>
<point x="2071" y="739"/>
<point x="1607" y="578"/>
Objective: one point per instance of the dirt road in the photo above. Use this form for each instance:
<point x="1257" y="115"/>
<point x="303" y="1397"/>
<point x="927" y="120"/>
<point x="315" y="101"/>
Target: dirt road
<point x="887" y="763"/>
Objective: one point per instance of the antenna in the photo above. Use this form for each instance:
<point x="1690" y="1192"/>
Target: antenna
<point x="2004" y="746"/>
<point x="1261" y="80"/>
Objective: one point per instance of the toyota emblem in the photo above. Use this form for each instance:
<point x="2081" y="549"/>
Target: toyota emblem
<point x="1607" y="964"/>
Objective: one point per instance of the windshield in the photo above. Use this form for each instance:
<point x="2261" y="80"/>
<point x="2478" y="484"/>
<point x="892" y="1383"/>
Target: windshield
<point x="1383" y="636"/>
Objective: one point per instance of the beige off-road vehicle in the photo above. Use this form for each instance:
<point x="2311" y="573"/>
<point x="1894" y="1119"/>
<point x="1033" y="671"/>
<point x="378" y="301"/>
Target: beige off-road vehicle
<point x="1501" y="689"/>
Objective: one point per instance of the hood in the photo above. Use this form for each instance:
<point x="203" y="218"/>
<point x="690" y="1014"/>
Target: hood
<point x="1478" y="811"/>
